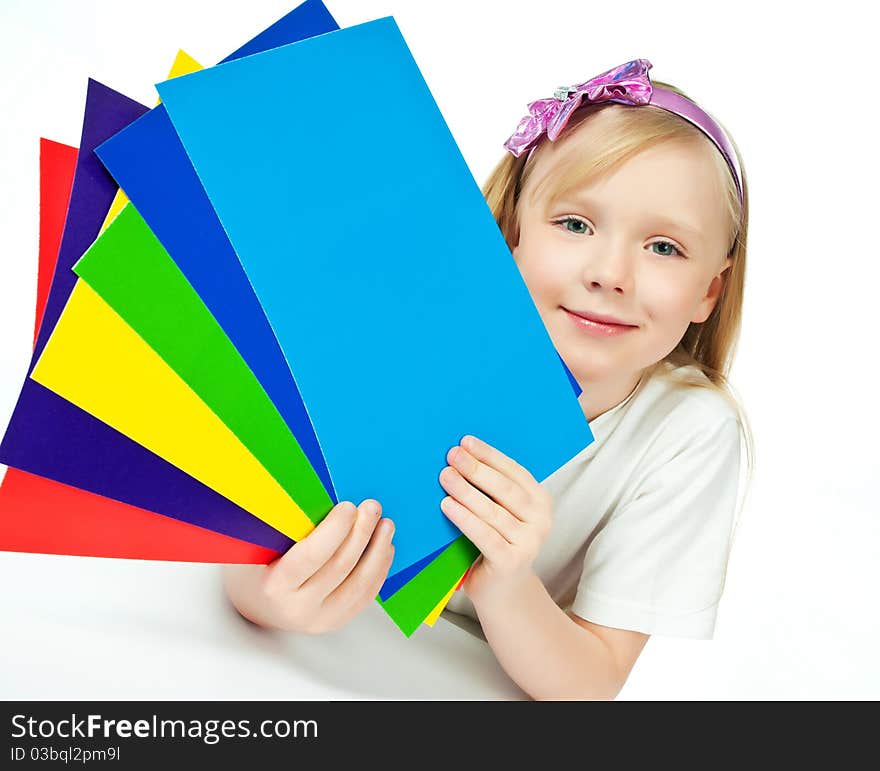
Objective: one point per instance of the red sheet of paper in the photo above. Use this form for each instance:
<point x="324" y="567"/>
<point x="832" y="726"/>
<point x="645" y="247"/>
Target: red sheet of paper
<point x="57" y="164"/>
<point x="43" y="516"/>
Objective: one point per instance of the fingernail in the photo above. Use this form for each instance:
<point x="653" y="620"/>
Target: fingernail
<point x="389" y="527"/>
<point x="370" y="508"/>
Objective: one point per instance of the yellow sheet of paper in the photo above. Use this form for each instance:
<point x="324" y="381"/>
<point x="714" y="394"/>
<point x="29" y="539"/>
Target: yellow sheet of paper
<point x="117" y="206"/>
<point x="184" y="64"/>
<point x="96" y="361"/>
<point x="435" y="614"/>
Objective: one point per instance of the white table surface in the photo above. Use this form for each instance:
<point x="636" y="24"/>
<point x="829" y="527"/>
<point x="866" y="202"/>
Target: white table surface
<point x="87" y="628"/>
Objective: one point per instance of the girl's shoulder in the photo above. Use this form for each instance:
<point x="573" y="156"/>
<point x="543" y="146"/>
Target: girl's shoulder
<point x="677" y="425"/>
<point x="681" y="404"/>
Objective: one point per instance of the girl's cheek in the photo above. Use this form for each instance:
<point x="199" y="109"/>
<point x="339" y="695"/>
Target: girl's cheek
<point x="668" y="293"/>
<point x="540" y="276"/>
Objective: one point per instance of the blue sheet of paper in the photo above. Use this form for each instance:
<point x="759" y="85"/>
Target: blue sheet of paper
<point x="151" y="166"/>
<point x="364" y="234"/>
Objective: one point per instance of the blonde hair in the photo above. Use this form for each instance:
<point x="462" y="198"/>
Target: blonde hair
<point x="625" y="131"/>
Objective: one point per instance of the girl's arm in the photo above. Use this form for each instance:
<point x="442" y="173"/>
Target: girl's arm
<point x="507" y="515"/>
<point x="551" y="654"/>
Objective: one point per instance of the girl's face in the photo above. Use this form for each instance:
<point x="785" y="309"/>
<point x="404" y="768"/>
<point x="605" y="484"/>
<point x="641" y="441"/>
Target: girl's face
<point x="619" y="267"/>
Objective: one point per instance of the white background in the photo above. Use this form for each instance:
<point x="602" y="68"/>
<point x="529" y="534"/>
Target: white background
<point x="794" y="85"/>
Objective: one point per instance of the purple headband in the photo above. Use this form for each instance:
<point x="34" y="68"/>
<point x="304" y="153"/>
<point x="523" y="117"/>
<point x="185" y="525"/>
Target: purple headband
<point x="626" y="84"/>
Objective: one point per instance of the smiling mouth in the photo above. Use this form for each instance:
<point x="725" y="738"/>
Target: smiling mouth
<point x="598" y="325"/>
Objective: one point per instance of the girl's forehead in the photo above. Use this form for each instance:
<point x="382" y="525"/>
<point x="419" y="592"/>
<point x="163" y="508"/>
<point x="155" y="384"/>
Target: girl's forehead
<point x="674" y="179"/>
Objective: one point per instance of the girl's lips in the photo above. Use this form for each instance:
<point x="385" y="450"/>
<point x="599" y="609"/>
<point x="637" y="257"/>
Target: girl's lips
<point x="598" y="326"/>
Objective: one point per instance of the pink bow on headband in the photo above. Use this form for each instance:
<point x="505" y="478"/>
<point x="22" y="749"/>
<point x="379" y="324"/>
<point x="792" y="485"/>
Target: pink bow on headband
<point x="626" y="84"/>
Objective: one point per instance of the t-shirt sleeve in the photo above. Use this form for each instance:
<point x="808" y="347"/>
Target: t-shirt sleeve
<point x="658" y="564"/>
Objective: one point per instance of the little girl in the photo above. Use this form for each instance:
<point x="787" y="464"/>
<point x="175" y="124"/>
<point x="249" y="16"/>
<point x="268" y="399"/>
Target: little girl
<point x="626" y="209"/>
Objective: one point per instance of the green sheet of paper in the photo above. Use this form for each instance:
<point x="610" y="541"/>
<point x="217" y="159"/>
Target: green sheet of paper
<point x="131" y="271"/>
<point x="411" y="605"/>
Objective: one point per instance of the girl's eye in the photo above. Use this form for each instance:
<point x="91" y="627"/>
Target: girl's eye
<point x="573" y="225"/>
<point x="666" y="249"/>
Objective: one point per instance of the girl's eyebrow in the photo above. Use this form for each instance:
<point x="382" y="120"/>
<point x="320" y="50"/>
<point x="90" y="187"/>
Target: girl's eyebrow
<point x="667" y="223"/>
<point x="576" y="200"/>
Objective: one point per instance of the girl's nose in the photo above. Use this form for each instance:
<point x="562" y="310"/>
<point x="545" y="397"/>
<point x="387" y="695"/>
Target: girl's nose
<point x="610" y="270"/>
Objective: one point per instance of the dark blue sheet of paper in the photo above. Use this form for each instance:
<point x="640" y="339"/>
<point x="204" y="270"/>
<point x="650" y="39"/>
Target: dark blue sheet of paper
<point x="363" y="233"/>
<point x="151" y="166"/>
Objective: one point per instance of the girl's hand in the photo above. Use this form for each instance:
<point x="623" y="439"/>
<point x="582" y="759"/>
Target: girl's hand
<point x="322" y="581"/>
<point x="501" y="508"/>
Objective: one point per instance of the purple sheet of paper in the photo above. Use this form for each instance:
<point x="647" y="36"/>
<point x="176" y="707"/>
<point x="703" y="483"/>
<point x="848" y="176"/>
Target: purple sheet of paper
<point x="49" y="436"/>
<point x="106" y="112"/>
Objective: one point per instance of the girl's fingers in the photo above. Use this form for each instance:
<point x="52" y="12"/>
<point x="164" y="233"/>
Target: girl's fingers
<point x="337" y="567"/>
<point x="363" y="583"/>
<point x="307" y="556"/>
<point x="503" y="489"/>
<point x="486" y="509"/>
<point x="497" y="460"/>
<point x="371" y="591"/>
<point x="487" y="539"/>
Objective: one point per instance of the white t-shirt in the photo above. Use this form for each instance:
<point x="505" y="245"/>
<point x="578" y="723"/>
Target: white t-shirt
<point x="643" y="516"/>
